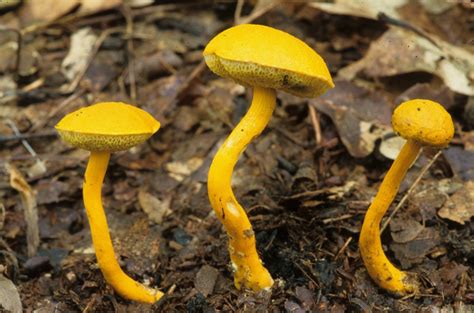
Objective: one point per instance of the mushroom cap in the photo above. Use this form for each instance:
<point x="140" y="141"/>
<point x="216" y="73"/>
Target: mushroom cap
<point x="424" y="121"/>
<point x="107" y="126"/>
<point x="257" y="55"/>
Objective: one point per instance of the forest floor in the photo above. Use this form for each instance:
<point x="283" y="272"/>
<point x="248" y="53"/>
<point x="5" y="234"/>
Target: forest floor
<point x="306" y="182"/>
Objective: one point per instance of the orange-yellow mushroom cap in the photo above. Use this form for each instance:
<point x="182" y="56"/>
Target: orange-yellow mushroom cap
<point x="257" y="55"/>
<point x="107" y="126"/>
<point x="423" y="121"/>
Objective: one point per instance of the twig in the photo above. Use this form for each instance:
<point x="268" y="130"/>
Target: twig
<point x="61" y="106"/>
<point x="5" y="138"/>
<point x="258" y="12"/>
<point x="344" y="247"/>
<point x="130" y="52"/>
<point x="403" y="24"/>
<point x="410" y="191"/>
<point x="238" y="11"/>
<point x="306" y="274"/>
<point x="27" y="146"/>
<point x="2" y="215"/>
<point x="316" y="125"/>
<point x="336" y="219"/>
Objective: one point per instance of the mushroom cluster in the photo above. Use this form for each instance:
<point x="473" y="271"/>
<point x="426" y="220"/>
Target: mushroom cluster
<point x="264" y="59"/>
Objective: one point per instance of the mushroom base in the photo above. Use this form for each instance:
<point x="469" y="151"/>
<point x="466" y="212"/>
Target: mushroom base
<point x="121" y="282"/>
<point x="249" y="271"/>
<point x="380" y="269"/>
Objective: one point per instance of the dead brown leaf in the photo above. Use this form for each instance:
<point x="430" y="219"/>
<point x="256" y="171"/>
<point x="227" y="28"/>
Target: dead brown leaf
<point x="95" y="6"/>
<point x="155" y="208"/>
<point x="405" y="230"/>
<point x="413" y="252"/>
<point x="33" y="12"/>
<point x="401" y="51"/>
<point x="460" y="206"/>
<point x="361" y="115"/>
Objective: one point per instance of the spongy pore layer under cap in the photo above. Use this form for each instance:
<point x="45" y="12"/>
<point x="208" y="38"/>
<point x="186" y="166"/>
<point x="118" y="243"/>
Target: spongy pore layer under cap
<point x="424" y="121"/>
<point x="107" y="126"/>
<point x="257" y="55"/>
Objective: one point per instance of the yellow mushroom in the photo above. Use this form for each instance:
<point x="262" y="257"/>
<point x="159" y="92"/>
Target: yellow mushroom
<point x="265" y="59"/>
<point x="422" y="123"/>
<point x="101" y="129"/>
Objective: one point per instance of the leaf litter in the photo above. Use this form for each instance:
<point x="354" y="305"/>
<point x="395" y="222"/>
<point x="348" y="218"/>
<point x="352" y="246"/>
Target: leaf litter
<point x="306" y="188"/>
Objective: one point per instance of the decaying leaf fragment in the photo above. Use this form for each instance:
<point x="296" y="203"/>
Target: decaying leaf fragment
<point x="460" y="206"/>
<point x="400" y="51"/>
<point x="28" y="201"/>
<point x="9" y="296"/>
<point x="361" y="116"/>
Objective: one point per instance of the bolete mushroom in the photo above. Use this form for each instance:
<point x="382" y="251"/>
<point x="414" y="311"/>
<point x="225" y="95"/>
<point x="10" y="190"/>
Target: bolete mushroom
<point x="265" y="59"/>
<point x="103" y="128"/>
<point x="422" y="123"/>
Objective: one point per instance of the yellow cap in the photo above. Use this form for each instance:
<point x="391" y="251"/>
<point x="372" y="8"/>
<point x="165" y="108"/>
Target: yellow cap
<point x="257" y="55"/>
<point x="423" y="121"/>
<point x="107" y="126"/>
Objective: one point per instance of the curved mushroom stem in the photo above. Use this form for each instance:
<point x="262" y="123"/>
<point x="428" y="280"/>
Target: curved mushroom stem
<point x="384" y="273"/>
<point x="249" y="271"/>
<point x="121" y="282"/>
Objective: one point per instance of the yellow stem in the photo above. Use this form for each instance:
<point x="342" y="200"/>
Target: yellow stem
<point x="249" y="271"/>
<point x="121" y="282"/>
<point x="384" y="273"/>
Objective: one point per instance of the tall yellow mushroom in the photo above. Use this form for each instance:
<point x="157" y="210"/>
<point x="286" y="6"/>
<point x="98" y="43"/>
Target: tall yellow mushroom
<point x="104" y="128"/>
<point x="422" y="123"/>
<point x="265" y="59"/>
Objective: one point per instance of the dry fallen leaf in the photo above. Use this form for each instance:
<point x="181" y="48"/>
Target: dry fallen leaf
<point x="28" y="201"/>
<point x="400" y="51"/>
<point x="82" y="44"/>
<point x="155" y="208"/>
<point x="95" y="6"/>
<point x="361" y="116"/>
<point x="33" y="12"/>
<point x="390" y="147"/>
<point x="372" y="8"/>
<point x="405" y="230"/>
<point x="460" y="206"/>
<point x="9" y="296"/>
<point x="180" y="170"/>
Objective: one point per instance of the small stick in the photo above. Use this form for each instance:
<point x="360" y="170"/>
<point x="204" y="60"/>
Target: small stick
<point x="336" y="219"/>
<point x="5" y="138"/>
<point x="2" y="215"/>
<point x="238" y="11"/>
<point x="258" y="12"/>
<point x="61" y="106"/>
<point x="344" y="246"/>
<point x="130" y="52"/>
<point x="316" y="125"/>
<point x="27" y="146"/>
<point x="409" y="192"/>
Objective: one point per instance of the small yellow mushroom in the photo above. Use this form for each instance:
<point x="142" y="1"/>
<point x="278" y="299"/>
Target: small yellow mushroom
<point x="422" y="123"/>
<point x="101" y="129"/>
<point x="265" y="59"/>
